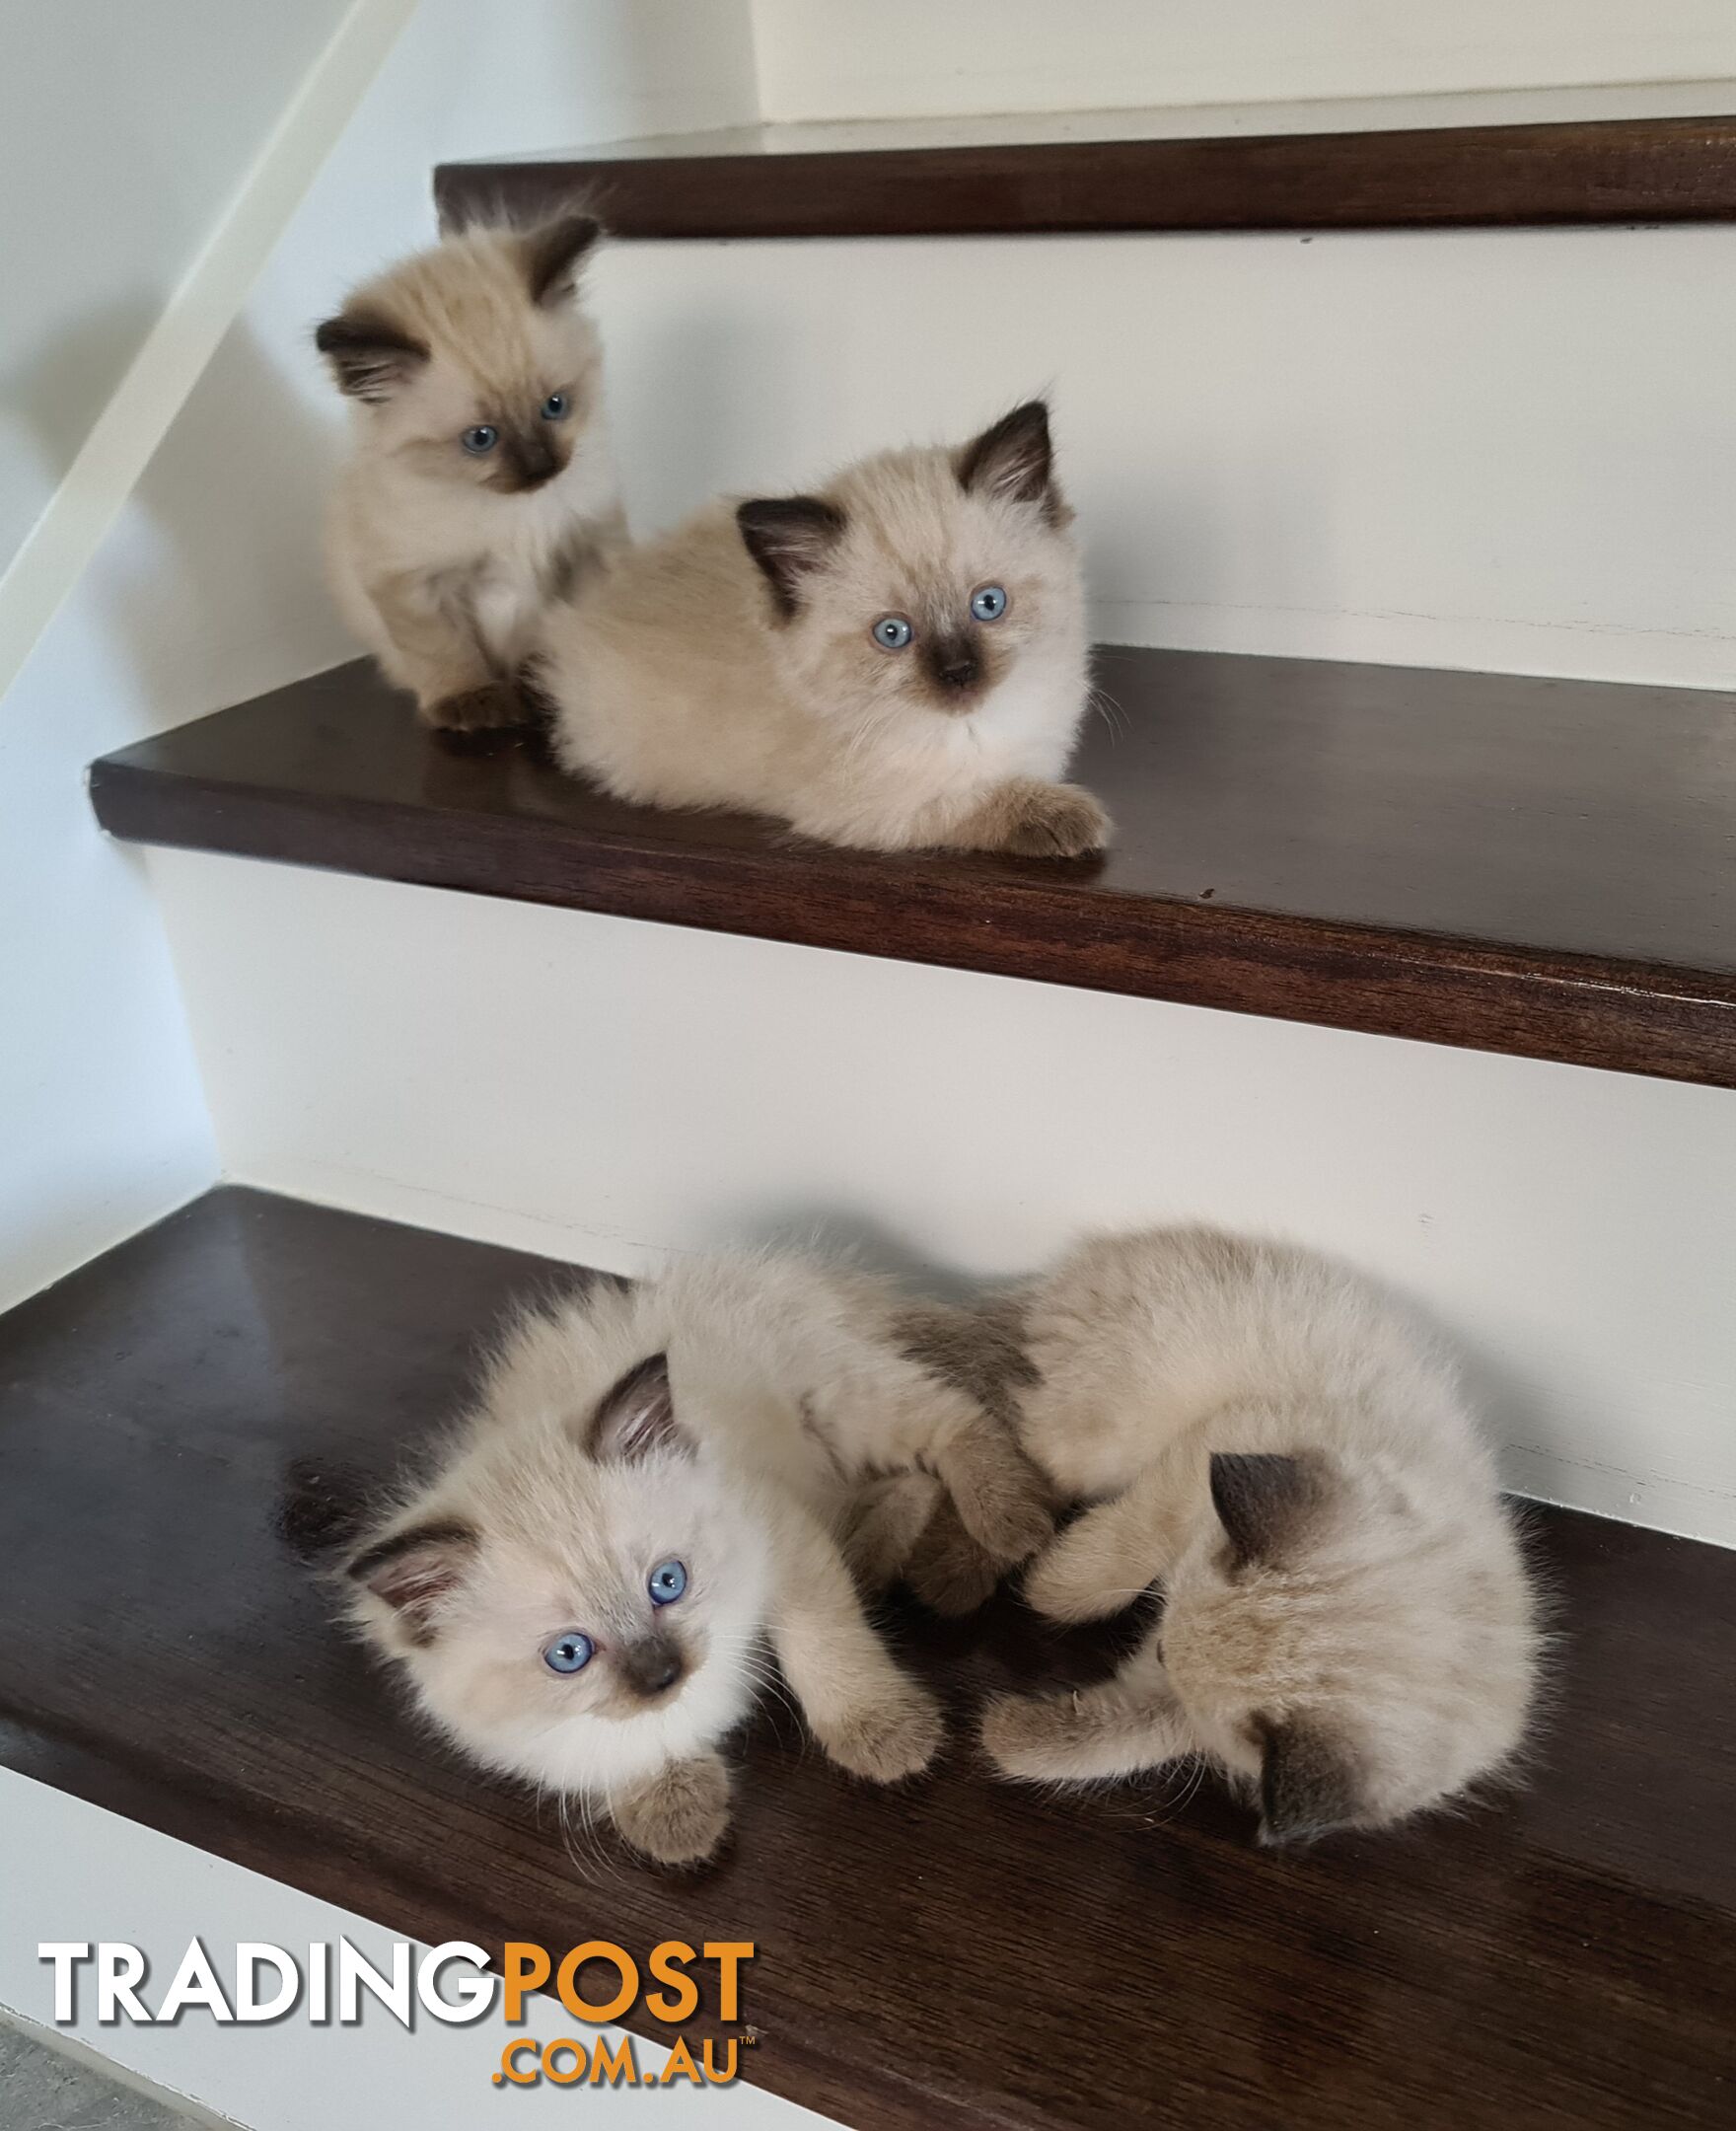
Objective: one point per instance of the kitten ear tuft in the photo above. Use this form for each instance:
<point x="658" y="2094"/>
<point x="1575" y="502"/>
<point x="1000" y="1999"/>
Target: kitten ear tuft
<point x="789" y="537"/>
<point x="369" y="356"/>
<point x="554" y="253"/>
<point x="1310" y="1783"/>
<point x="1013" y="460"/>
<point x="414" y="1568"/>
<point x="636" y="1415"/>
<point x="1268" y="1504"/>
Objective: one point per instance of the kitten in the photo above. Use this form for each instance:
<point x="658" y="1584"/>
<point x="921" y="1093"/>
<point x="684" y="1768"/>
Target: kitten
<point x="896" y="662"/>
<point x="655" y="1480"/>
<point x="1348" y="1627"/>
<point x="479" y="485"/>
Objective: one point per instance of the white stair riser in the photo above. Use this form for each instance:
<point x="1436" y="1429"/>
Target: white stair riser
<point x="602" y="1090"/>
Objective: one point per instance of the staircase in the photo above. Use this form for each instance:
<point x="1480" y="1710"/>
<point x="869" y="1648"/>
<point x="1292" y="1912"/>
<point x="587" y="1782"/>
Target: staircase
<point x="1432" y="962"/>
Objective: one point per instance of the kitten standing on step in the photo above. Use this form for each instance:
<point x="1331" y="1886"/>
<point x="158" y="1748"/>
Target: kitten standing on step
<point x="656" y="1481"/>
<point x="896" y="661"/>
<point x="479" y="485"/>
<point x="1348" y="1627"/>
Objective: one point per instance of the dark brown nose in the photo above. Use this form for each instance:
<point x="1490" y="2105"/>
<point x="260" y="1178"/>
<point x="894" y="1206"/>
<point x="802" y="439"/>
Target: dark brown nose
<point x="531" y="461"/>
<point x="954" y="665"/>
<point x="651" y="1667"/>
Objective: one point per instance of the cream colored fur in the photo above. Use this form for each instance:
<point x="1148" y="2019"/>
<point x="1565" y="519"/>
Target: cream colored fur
<point x="443" y="562"/>
<point x="789" y="1396"/>
<point x="1379" y="1653"/>
<point x="682" y="680"/>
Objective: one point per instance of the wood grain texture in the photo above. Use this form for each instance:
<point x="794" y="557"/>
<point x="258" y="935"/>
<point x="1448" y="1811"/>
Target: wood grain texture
<point x="1541" y="867"/>
<point x="958" y="1952"/>
<point x="1626" y="170"/>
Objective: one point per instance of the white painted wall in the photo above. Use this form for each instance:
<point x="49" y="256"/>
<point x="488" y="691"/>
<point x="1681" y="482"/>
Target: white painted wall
<point x="123" y="134"/>
<point x="1575" y="1229"/>
<point x="897" y="58"/>
<point x="103" y="1125"/>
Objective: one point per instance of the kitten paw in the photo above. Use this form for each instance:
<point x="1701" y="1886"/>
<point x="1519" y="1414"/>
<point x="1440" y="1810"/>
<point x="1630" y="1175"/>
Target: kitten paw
<point x="488" y="709"/>
<point x="1069" y="1582"/>
<point x="1055" y="821"/>
<point x="1027" y="1736"/>
<point x="886" y="1742"/>
<point x="682" y="1818"/>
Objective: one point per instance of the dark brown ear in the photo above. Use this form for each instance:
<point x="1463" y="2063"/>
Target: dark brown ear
<point x="1310" y="1783"/>
<point x="789" y="537"/>
<point x="1014" y="460"/>
<point x="370" y="357"/>
<point x="636" y="1415"/>
<point x="553" y="254"/>
<point x="1268" y="1504"/>
<point x="413" y="1569"/>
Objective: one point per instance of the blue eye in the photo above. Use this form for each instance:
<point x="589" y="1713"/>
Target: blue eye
<point x="554" y="406"/>
<point x="569" y="1652"/>
<point x="482" y="438"/>
<point x="667" y="1583"/>
<point x="892" y="632"/>
<point x="988" y="602"/>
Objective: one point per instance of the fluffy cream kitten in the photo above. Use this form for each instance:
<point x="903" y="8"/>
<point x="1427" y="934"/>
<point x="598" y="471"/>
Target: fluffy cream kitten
<point x="479" y="485"/>
<point x="654" y="1481"/>
<point x="1347" y="1625"/>
<point x="898" y="661"/>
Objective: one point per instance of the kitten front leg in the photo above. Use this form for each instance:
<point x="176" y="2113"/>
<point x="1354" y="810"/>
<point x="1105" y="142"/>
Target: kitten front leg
<point x="867" y="1714"/>
<point x="1033" y="820"/>
<point x="1107" y="1556"/>
<point x="680" y="1816"/>
<point x="1130" y="1723"/>
<point x="441" y="661"/>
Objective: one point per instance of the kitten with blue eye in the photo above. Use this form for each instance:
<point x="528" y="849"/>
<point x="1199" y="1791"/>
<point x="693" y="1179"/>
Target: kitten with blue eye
<point x="896" y="661"/>
<point x="655" y="1484"/>
<point x="479" y="485"/>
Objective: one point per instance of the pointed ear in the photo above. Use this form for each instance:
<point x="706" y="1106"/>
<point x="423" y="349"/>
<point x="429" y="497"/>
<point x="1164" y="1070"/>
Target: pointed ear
<point x="1310" y="1783"/>
<point x="370" y="357"/>
<point x="1013" y="460"/>
<point x="553" y="254"/>
<point x="636" y="1415"/>
<point x="789" y="537"/>
<point x="1267" y="1505"/>
<point x="414" y="1568"/>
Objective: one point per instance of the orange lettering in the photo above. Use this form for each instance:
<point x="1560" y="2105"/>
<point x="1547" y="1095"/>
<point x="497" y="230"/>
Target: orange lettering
<point x="668" y="1965"/>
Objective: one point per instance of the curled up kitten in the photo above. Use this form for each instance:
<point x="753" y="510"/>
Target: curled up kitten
<point x="478" y="486"/>
<point x="654" y="1483"/>
<point x="1348" y="1630"/>
<point x="896" y="662"/>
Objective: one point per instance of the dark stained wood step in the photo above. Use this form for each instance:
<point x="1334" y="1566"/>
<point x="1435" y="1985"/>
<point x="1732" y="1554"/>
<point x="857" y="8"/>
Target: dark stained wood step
<point x="1542" y="868"/>
<point x="958" y="1952"/>
<point x="827" y="181"/>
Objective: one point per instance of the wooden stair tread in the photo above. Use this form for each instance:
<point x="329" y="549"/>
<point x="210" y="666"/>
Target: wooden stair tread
<point x="1114" y="171"/>
<point x="957" y="1952"/>
<point x="1534" y="866"/>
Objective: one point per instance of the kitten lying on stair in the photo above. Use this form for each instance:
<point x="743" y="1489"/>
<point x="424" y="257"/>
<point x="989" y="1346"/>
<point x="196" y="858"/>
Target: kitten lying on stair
<point x="1347" y="1628"/>
<point x="896" y="662"/>
<point x="655" y="1480"/>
